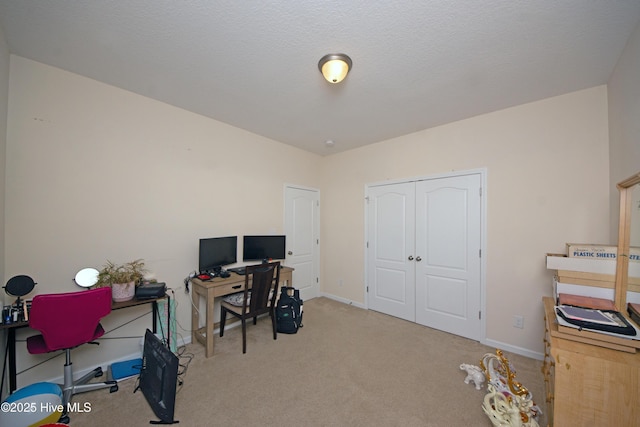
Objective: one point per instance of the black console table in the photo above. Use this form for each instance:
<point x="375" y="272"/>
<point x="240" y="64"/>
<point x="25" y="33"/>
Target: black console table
<point x="12" y="327"/>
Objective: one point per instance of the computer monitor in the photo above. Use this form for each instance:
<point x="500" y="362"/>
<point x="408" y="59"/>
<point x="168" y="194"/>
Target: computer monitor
<point x="216" y="252"/>
<point x="261" y="248"/>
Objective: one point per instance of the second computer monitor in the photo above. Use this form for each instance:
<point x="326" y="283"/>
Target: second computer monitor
<point x="261" y="248"/>
<point x="217" y="252"/>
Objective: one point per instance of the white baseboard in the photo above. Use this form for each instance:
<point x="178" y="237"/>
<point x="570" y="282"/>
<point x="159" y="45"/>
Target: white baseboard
<point x="342" y="300"/>
<point x="514" y="349"/>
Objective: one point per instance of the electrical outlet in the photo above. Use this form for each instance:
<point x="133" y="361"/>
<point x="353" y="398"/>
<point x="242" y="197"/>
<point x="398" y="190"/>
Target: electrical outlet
<point x="518" y="322"/>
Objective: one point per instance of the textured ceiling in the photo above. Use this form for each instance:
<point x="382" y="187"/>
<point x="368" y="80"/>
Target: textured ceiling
<point x="253" y="64"/>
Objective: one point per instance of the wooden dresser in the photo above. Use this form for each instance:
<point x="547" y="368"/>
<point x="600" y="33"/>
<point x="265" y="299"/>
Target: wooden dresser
<point x="587" y="384"/>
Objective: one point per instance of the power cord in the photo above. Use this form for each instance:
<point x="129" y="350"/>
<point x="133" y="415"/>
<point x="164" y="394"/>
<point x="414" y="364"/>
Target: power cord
<point x="193" y="307"/>
<point x="183" y="356"/>
<point x="185" y="359"/>
<point x="187" y="280"/>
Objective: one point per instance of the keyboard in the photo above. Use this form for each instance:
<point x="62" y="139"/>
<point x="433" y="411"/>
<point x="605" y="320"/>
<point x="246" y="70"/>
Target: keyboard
<point x="243" y="270"/>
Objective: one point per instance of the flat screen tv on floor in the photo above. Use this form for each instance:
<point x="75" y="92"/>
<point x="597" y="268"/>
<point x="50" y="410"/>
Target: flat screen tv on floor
<point x="159" y="378"/>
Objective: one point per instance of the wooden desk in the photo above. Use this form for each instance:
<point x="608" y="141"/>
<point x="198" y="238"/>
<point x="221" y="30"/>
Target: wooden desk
<point x="211" y="289"/>
<point x="586" y="384"/>
<point x="12" y="327"/>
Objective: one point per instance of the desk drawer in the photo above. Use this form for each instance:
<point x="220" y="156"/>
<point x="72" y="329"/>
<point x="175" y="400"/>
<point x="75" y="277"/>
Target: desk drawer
<point x="227" y="289"/>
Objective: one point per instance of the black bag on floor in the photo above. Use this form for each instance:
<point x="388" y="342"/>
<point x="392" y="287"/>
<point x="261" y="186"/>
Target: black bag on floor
<point x="289" y="311"/>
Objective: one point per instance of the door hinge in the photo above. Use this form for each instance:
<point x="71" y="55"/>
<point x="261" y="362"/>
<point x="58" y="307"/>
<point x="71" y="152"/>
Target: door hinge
<point x="480" y="191"/>
<point x="367" y="289"/>
<point x="479" y="315"/>
<point x="317" y="280"/>
<point x="479" y="253"/>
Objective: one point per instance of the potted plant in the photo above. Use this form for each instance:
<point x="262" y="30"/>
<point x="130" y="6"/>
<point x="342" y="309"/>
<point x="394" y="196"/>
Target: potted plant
<point x="122" y="278"/>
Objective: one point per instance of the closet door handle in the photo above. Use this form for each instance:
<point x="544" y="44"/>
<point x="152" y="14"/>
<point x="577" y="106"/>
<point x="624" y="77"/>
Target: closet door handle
<point x="410" y="257"/>
<point x="418" y="259"/>
<point x="290" y="253"/>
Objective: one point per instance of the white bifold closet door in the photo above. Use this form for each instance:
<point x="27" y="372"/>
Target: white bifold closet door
<point x="423" y="252"/>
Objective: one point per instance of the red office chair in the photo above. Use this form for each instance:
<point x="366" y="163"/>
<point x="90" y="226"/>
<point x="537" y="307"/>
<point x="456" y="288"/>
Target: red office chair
<point x="67" y="321"/>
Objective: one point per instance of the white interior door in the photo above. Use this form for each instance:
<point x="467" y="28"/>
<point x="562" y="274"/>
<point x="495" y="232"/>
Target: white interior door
<point x="448" y="243"/>
<point x="302" y="228"/>
<point x="390" y="245"/>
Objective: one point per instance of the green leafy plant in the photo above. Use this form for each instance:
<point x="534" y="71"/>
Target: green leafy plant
<point x="111" y="273"/>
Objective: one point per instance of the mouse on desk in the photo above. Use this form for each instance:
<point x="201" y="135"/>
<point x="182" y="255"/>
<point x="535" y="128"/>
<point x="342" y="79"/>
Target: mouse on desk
<point x="224" y="274"/>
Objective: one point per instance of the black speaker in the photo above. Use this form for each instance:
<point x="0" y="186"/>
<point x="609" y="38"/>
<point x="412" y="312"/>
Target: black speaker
<point x="151" y="290"/>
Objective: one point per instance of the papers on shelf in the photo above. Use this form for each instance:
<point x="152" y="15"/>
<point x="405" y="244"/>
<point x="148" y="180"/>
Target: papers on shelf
<point x="588" y="315"/>
<point x="564" y="323"/>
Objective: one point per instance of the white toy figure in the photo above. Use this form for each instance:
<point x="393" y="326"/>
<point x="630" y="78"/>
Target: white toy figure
<point x="474" y="374"/>
<point x="508" y="403"/>
<point x="503" y="411"/>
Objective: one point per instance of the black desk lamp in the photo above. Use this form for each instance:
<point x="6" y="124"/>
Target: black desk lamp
<point x="19" y="286"/>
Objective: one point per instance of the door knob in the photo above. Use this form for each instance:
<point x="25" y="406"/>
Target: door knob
<point x="418" y="259"/>
<point x="410" y="257"/>
<point x="290" y="253"/>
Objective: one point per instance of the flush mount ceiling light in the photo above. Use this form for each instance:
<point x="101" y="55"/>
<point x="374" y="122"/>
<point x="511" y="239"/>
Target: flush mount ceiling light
<point x="334" y="67"/>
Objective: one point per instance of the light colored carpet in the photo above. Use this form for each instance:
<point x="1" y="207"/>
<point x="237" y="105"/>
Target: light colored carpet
<point x="345" y="367"/>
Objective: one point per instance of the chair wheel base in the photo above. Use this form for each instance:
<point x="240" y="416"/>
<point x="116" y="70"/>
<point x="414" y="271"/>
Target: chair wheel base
<point x="64" y="419"/>
<point x="113" y="388"/>
<point x="97" y="372"/>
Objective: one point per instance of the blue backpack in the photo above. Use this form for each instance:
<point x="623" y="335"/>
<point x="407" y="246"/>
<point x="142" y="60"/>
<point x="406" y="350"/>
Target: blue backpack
<point x="289" y="311"/>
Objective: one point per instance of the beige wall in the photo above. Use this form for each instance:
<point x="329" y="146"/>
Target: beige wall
<point x="97" y="173"/>
<point x="547" y="171"/>
<point x="624" y="123"/>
